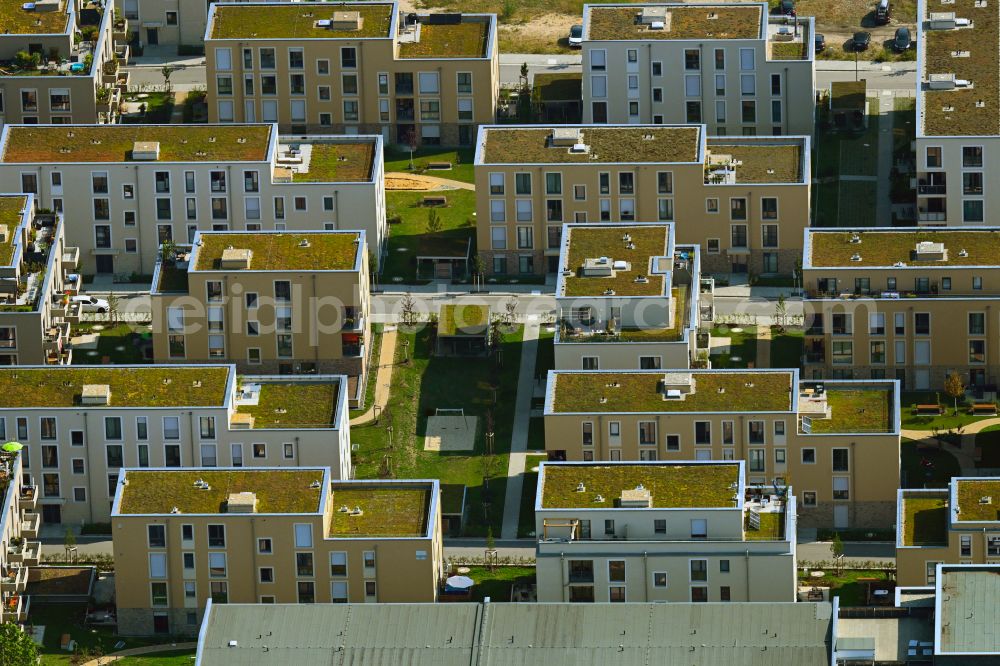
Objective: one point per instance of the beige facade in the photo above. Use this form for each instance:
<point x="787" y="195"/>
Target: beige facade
<point x="19" y="550"/>
<point x="80" y="426"/>
<point x="268" y="536"/>
<point x="276" y="302"/>
<point x="627" y="298"/>
<point x="744" y="200"/>
<point x="727" y="65"/>
<point x="958" y="118"/>
<point x="353" y="68"/>
<point x="36" y="283"/>
<point x="659" y="531"/>
<point x="835" y="442"/>
<point x="959" y="524"/>
<point x="910" y="304"/>
<point x="124" y="189"/>
<point x="73" y="80"/>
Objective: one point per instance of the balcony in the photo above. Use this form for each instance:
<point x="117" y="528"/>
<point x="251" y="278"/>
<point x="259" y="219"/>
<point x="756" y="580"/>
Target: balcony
<point x="15" y="608"/>
<point x="122" y="53"/>
<point x="71" y="258"/>
<point x="923" y="189"/>
<point x="29" y="498"/>
<point x="107" y="100"/>
<point x="56" y="337"/>
<point x="109" y="71"/>
<point x="120" y="29"/>
<point x="814" y="358"/>
<point x="13" y="580"/>
<point x="926" y="216"/>
<point x="30" y="522"/>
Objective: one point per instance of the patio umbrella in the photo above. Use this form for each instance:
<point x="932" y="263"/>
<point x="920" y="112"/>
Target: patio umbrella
<point x="459" y="582"/>
<point x="12" y="446"/>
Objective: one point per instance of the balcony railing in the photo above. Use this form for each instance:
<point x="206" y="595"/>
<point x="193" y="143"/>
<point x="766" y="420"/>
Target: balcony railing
<point x="924" y="216"/>
<point x="932" y="189"/>
<point x="14" y="579"/>
<point x="15" y="608"/>
<point x="30" y="523"/>
<point x="29" y="497"/>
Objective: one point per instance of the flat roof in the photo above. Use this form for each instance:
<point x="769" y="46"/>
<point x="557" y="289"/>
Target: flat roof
<point x="886" y="248"/>
<point x="342" y="161"/>
<point x="715" y="21"/>
<point x="290" y="490"/>
<point x="297" y="21"/>
<point x="293" y="403"/>
<point x="963" y="111"/>
<point x="466" y="39"/>
<point x="592" y="241"/>
<point x="282" y="251"/>
<point x="32" y="144"/>
<point x="671" y="486"/>
<point x="131" y="386"/>
<point x="762" y="161"/>
<point x="971" y="496"/>
<point x="968" y="613"/>
<point x="924" y="518"/>
<point x="502" y="634"/>
<point x="388" y="509"/>
<point x="16" y="20"/>
<point x="640" y="392"/>
<point x="653" y="144"/>
<point x="463" y="319"/>
<point x="859" y="408"/>
<point x="12" y="208"/>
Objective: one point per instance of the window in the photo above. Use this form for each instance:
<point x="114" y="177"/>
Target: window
<point x="692" y="85"/>
<point x="113" y="428"/>
<point x="748" y="84"/>
<point x="699" y="571"/>
<point x="702" y="432"/>
<point x="755" y="432"/>
<point x="840" y="460"/>
<point x="746" y="59"/>
<point x="699" y="528"/>
<point x="922" y="323"/>
<point x="264" y="546"/>
<point x="748" y="111"/>
<point x="266" y="574"/>
<point x="877" y="351"/>
<point x="808" y="456"/>
<point x="428" y="82"/>
<point x="692" y="59"/>
<point x="216" y="536"/>
<point x="304" y="564"/>
<point x="660" y="526"/>
<point x="598" y="59"/>
<point x="692" y="112"/>
<point x="338" y="563"/>
<point x="303" y="535"/>
<point x="972" y="210"/>
<point x="841" y="488"/>
<point x="647" y="432"/>
<point x="972" y="156"/>
<point x="156" y="536"/>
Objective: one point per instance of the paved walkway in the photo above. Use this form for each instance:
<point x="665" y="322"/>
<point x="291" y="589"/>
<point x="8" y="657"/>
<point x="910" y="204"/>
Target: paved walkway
<point x="966" y="452"/>
<point x="139" y="651"/>
<point x="383" y="378"/>
<point x="519" y="439"/>
<point x="883" y="197"/>
<point x="436" y="181"/>
<point x="763" y="347"/>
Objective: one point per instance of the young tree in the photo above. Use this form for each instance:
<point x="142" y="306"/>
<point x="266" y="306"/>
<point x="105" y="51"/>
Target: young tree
<point x="433" y="221"/>
<point x="954" y="387"/>
<point x="478" y="264"/>
<point x="166" y="71"/>
<point x="510" y="309"/>
<point x="16" y="646"/>
<point x="408" y="310"/>
<point x="780" y="312"/>
<point x="69" y="542"/>
<point x="113" y="304"/>
<point x="837" y="549"/>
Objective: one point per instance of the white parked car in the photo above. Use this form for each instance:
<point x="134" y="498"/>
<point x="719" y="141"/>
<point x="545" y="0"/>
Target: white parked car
<point x="576" y="36"/>
<point x="91" y="304"/>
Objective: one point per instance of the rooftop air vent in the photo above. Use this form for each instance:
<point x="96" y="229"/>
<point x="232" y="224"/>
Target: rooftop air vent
<point x="599" y="499"/>
<point x="95" y="394"/>
<point x="234" y="258"/>
<point x="640" y="498"/>
<point x="930" y="251"/>
<point x="146" y="151"/>
<point x="855" y="257"/>
<point x="245" y="502"/>
<point x="657" y="25"/>
<point x="315" y="485"/>
<point x="855" y="238"/>
<point x="580" y="149"/>
<point x="580" y="487"/>
<point x="987" y="499"/>
<point x="304" y="242"/>
<point x="566" y="136"/>
<point x="356" y="511"/>
<point x="344" y="509"/>
<point x="899" y="264"/>
<point x="654" y="14"/>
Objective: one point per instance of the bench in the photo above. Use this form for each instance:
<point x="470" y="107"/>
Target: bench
<point x="435" y="201"/>
<point x="927" y="409"/>
<point x="984" y="408"/>
<point x="439" y="166"/>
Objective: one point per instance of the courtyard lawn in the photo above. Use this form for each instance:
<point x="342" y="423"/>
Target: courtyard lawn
<point x="946" y="421"/>
<point x="988" y="440"/>
<point x="59" y="619"/>
<point x="397" y="159"/>
<point x="497" y="584"/>
<point x="429" y="382"/>
<point x="786" y="349"/>
<point x="526" y="522"/>
<point x="121" y="344"/>
<point x="925" y="466"/>
<point x="165" y="659"/>
<point x="849" y="585"/>
<point x="409" y="237"/>
<point x="742" y="347"/>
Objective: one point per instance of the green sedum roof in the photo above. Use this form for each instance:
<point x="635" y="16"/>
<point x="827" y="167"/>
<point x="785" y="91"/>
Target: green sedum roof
<point x="388" y="510"/>
<point x="297" y="21"/>
<point x="11" y="212"/>
<point x="675" y="486"/>
<point x="464" y="320"/>
<point x="283" y="251"/>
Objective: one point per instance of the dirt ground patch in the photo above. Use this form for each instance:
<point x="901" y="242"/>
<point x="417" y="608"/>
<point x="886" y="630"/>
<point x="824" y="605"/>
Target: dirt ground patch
<point x="408" y="183"/>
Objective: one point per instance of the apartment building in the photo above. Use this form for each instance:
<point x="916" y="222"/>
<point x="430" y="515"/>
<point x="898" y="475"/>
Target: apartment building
<point x="744" y="200"/>
<point x="272" y="302"/>
<point x="661" y="531"/>
<point x="59" y="63"/>
<point x="907" y="303"/>
<point x="835" y="442"/>
<point x="19" y="548"/>
<point x="742" y="72"/>
<point x="420" y="79"/>
<point x="125" y="189"/>
<point x="80" y="425"/>
<point x="627" y="297"/>
<point x="35" y="285"/>
<point x="268" y="536"/>
<point x="959" y="524"/>
<point x="958" y="113"/>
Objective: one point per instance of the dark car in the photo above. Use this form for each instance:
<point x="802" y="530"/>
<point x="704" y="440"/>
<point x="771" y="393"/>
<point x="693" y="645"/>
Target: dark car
<point x="787" y="7"/>
<point x="861" y="40"/>
<point x="819" y="41"/>
<point x="902" y="40"/>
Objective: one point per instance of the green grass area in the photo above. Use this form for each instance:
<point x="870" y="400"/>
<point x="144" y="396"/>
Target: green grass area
<point x="786" y="349"/>
<point x="669" y="486"/>
<point x="409" y="238"/>
<point x="373" y="362"/>
<point x="946" y="421"/>
<point x="293" y="21"/>
<point x="497" y="584"/>
<point x="970" y="494"/>
<point x="536" y="433"/>
<point x="856" y="410"/>
<point x="545" y="355"/>
<point x="390" y="510"/>
<point x="590" y="242"/>
<point x="925" y="466"/>
<point x="462" y="40"/>
<point x="526" y="518"/>
<point x="159" y="108"/>
<point x="856" y="203"/>
<point x="904" y="124"/>
<point x="294" y="405"/>
<point x="458" y="320"/>
<point x="849" y="585"/>
<point x="166" y="659"/>
<point x="742" y="346"/>
<point x="845" y="153"/>
<point x="856" y="534"/>
<point x="461" y="162"/>
<point x="121" y="344"/>
<point x="883" y="248"/>
<point x="60" y="619"/>
<point x="291" y="251"/>
<point x="339" y="161"/>
<point x="988" y="440"/>
<point x="925" y="519"/>
<point x="428" y="382"/>
<point x="772" y="527"/>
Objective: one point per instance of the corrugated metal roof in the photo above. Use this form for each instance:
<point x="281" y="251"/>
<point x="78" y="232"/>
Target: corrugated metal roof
<point x="750" y="634"/>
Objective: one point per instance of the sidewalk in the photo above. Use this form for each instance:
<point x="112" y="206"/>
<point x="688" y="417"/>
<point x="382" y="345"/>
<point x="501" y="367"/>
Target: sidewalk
<point x="383" y="378"/>
<point x="883" y="195"/>
<point x="519" y="439"/>
<point x="763" y="347"/>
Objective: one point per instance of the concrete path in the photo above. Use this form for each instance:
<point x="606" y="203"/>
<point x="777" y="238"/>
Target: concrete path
<point x="855" y="552"/>
<point x="519" y="439"/>
<point x="763" y="347"/>
<point x="435" y="181"/>
<point x="139" y="651"/>
<point x="383" y="378"/>
<point x="883" y="186"/>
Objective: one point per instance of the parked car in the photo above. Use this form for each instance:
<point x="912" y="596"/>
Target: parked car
<point x="861" y="40"/>
<point x="90" y="304"/>
<point x="787" y="7"/>
<point x="902" y="40"/>
<point x="882" y="14"/>
<point x="576" y="36"/>
<point x="820" y="42"/>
